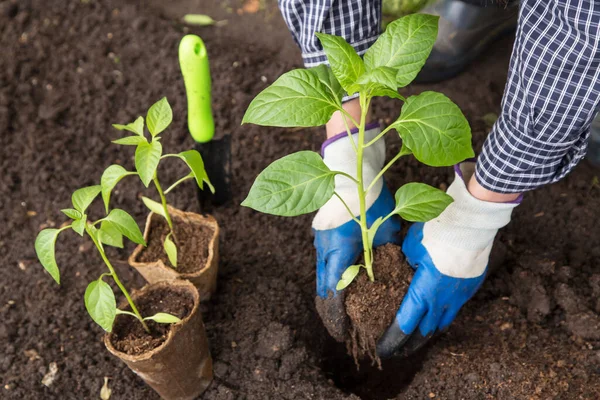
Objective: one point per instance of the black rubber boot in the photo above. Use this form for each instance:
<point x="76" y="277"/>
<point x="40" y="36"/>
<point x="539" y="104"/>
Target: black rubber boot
<point x="465" y="30"/>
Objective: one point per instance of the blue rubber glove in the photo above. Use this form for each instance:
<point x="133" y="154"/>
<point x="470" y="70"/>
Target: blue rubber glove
<point x="338" y="238"/>
<point x="450" y="256"/>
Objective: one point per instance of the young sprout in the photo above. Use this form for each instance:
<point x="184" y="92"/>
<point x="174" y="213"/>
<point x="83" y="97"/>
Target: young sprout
<point x="431" y="127"/>
<point x="148" y="154"/>
<point x="99" y="298"/>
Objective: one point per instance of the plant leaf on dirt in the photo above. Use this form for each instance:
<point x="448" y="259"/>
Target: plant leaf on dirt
<point x="147" y="157"/>
<point x="170" y="249"/>
<point x="154" y="206"/>
<point x="435" y="130"/>
<point x="110" y="235"/>
<point x="101" y="304"/>
<point x="79" y="224"/>
<point x="346" y="64"/>
<point x="296" y="184"/>
<point x="163" y="318"/>
<point x="136" y="126"/>
<point x="71" y="213"/>
<point x="131" y="140"/>
<point x="418" y="202"/>
<point x="110" y="177"/>
<point x="297" y="99"/>
<point x="159" y="116"/>
<point x="125" y="224"/>
<point x="404" y="46"/>
<point x="202" y="20"/>
<point x="45" y="249"/>
<point x="326" y="77"/>
<point x="194" y="161"/>
<point x="105" y="392"/>
<point x="83" y="197"/>
<point x="348" y="276"/>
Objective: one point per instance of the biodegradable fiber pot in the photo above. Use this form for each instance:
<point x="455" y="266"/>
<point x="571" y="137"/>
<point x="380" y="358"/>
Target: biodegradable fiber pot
<point x="204" y="276"/>
<point x="180" y="367"/>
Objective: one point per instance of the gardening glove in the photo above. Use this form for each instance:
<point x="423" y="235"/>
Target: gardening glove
<point x="450" y="255"/>
<point x="338" y="238"/>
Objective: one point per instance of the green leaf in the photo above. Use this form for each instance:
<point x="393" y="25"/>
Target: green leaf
<point x="101" y="304"/>
<point x="131" y="140"/>
<point x="110" y="177"/>
<point x="297" y="99"/>
<point x="147" y="157"/>
<point x="71" y="213"/>
<point x="79" y="224"/>
<point x="136" y="127"/>
<point x="434" y="129"/>
<point x="348" y="276"/>
<point x="418" y="202"/>
<point x="163" y="318"/>
<point x="346" y="64"/>
<point x="159" y="116"/>
<point x="379" y="82"/>
<point x="171" y="250"/>
<point x="125" y="224"/>
<point x="296" y="184"/>
<point x="44" y="248"/>
<point x="404" y="46"/>
<point x="154" y="206"/>
<point x="82" y="198"/>
<point x="326" y="77"/>
<point x="194" y="161"/>
<point x="110" y="235"/>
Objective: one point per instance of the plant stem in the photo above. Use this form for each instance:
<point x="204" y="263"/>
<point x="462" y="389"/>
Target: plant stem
<point x="347" y="208"/>
<point x="113" y="273"/>
<point x="349" y="132"/>
<point x="364" y="104"/>
<point x="173" y="186"/>
<point x="163" y="200"/>
<point x="387" y="166"/>
<point x="381" y="134"/>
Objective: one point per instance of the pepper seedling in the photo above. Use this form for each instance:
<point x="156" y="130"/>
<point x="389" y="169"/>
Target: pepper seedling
<point x="148" y="154"/>
<point x="99" y="297"/>
<point x="431" y="127"/>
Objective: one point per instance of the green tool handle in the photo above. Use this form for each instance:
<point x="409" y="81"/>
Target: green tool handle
<point x="193" y="60"/>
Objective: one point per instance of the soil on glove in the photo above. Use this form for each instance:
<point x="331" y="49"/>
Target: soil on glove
<point x="192" y="243"/>
<point x="129" y="336"/>
<point x="69" y="69"/>
<point x="372" y="306"/>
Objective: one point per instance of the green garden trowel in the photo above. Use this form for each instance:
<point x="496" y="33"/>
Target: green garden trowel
<point x="216" y="153"/>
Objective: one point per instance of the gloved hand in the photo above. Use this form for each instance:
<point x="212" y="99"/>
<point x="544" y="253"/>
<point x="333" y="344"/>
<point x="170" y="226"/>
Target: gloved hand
<point x="338" y="238"/>
<point x="450" y="255"/>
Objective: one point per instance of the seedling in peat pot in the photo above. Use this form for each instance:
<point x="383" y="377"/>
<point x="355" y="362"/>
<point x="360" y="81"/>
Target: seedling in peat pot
<point x="148" y="154"/>
<point x="99" y="298"/>
<point x="431" y="127"/>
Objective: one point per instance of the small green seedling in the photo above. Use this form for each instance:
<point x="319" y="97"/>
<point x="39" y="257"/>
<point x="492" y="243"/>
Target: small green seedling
<point x="431" y="127"/>
<point x="99" y="298"/>
<point x="148" y="154"/>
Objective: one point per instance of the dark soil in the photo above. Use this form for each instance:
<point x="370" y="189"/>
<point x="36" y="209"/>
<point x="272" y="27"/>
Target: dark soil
<point x="129" y="336"/>
<point x="372" y="306"/>
<point x="192" y="244"/>
<point x="70" y="69"/>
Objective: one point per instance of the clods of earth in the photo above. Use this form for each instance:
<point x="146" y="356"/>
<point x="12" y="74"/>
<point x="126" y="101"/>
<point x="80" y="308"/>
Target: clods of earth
<point x="70" y="69"/>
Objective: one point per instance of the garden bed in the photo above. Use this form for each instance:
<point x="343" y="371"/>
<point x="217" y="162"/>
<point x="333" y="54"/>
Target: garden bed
<point x="71" y="69"/>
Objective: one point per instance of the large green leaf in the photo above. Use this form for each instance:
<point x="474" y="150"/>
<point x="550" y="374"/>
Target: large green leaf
<point x="125" y="224"/>
<point x="136" y="127"/>
<point x="83" y="197"/>
<point x="100" y="303"/>
<point x="296" y="184"/>
<point x="346" y="65"/>
<point x="434" y="129"/>
<point x="194" y="161"/>
<point x="44" y="248"/>
<point x="325" y="75"/>
<point x="404" y="46"/>
<point x="379" y="82"/>
<point x="348" y="276"/>
<point x="297" y="99"/>
<point x="147" y="157"/>
<point x="110" y="177"/>
<point x="418" y="202"/>
<point x="110" y="235"/>
<point x="159" y="116"/>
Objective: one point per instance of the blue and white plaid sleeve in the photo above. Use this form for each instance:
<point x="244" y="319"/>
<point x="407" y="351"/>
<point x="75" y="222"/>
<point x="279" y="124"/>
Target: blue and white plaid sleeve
<point x="550" y="99"/>
<point x="357" y="21"/>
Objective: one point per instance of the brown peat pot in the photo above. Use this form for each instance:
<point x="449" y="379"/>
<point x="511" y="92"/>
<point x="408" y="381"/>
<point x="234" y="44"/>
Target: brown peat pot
<point x="181" y="366"/>
<point x="201" y="271"/>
